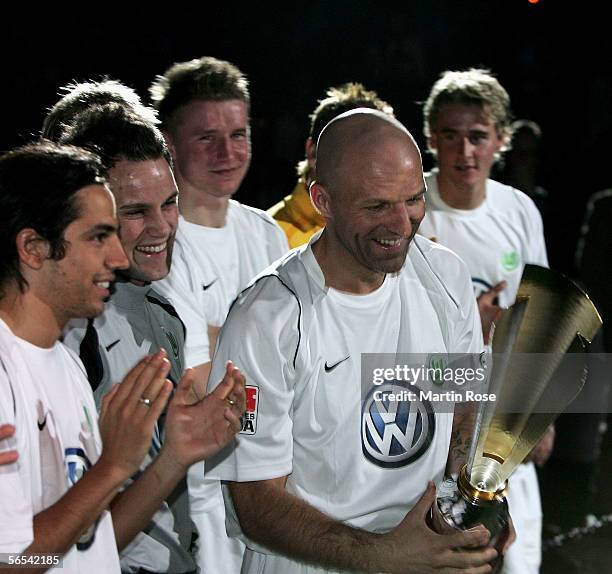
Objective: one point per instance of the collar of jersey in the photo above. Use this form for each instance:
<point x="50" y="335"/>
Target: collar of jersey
<point x="435" y="199"/>
<point x="312" y="267"/>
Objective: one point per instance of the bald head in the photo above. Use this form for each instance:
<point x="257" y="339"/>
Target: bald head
<point x="356" y="138"/>
<point x="370" y="189"/>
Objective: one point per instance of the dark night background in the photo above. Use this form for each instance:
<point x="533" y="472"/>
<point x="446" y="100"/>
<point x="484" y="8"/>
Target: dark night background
<point x="553" y="57"/>
<point x="554" y="60"/>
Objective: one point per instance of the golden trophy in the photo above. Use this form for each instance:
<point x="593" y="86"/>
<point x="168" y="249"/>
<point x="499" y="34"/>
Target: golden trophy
<point x="551" y="319"/>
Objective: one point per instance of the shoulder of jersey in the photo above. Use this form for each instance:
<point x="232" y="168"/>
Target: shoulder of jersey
<point x="440" y="268"/>
<point x="507" y="199"/>
<point x="158" y="297"/>
<point x="166" y="305"/>
<point x="253" y="214"/>
<point x="7" y="339"/>
<point x="76" y="360"/>
<point x="280" y="281"/>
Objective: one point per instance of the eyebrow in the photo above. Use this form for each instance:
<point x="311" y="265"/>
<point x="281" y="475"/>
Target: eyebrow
<point x="130" y="206"/>
<point x="101" y="228"/>
<point x="216" y="130"/>
<point x="375" y="200"/>
<point x="470" y="131"/>
<point x="141" y="205"/>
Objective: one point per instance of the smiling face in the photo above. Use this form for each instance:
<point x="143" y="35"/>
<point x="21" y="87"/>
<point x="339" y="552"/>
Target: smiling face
<point x="211" y="147"/>
<point x="146" y="196"/>
<point x="466" y="142"/>
<point x="374" y="206"/>
<point x="78" y="284"/>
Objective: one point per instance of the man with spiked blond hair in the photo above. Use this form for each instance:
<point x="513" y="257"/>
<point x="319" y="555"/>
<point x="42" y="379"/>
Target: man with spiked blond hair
<point x="495" y="229"/>
<point x="295" y="213"/>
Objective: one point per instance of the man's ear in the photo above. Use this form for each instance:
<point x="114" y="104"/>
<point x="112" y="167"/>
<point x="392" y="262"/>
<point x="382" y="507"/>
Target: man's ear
<point x="170" y="144"/>
<point x="320" y="199"/>
<point x="33" y="250"/>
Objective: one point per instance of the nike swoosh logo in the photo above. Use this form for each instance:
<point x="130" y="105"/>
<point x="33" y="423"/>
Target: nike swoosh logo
<point x="109" y="347"/>
<point x="330" y="368"/>
<point x="205" y="287"/>
<point x="43" y="424"/>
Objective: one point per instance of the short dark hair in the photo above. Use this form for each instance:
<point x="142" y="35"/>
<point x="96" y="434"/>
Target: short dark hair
<point x="337" y="100"/>
<point x="38" y="184"/>
<point x="78" y="96"/>
<point x="207" y="79"/>
<point x="115" y="133"/>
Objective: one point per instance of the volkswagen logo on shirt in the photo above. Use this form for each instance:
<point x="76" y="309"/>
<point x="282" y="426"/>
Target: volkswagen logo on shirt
<point x="395" y="433"/>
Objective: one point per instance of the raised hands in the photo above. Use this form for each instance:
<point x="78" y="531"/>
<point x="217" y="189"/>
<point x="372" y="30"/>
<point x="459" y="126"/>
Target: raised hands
<point x="197" y="431"/>
<point x="129" y="413"/>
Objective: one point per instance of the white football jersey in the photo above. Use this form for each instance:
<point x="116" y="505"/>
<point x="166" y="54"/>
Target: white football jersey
<point x="495" y="240"/>
<point x="45" y="394"/>
<point x="310" y="417"/>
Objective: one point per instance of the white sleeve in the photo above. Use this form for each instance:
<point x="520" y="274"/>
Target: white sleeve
<point x="261" y="337"/>
<point x="534" y="239"/>
<point x="186" y="297"/>
<point x="16" y="514"/>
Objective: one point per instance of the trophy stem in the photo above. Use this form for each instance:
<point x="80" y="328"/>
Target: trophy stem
<point x="461" y="505"/>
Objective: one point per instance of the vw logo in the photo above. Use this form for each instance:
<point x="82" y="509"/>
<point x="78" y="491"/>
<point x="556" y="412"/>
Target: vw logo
<point x="395" y="433"/>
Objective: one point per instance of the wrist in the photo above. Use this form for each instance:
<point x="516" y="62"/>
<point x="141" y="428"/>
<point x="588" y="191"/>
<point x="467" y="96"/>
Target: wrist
<point x="108" y="473"/>
<point x="168" y="466"/>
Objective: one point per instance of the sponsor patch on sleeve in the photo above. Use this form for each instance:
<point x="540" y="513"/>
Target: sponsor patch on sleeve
<point x="249" y="419"/>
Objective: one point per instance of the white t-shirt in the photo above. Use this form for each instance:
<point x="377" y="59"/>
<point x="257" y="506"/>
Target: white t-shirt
<point x="209" y="269"/>
<point x="299" y="344"/>
<point x="211" y="266"/>
<point x="45" y="394"/>
<point x="495" y="240"/>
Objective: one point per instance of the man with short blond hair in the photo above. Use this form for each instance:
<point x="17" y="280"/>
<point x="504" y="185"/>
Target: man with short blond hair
<point x="494" y="228"/>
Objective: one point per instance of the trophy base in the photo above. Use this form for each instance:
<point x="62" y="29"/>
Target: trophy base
<point x="458" y="507"/>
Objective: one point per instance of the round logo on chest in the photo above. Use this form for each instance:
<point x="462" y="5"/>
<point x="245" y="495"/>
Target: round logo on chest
<point x="396" y="427"/>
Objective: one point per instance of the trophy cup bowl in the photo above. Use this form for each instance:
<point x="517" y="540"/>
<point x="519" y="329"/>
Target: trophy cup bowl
<point x="550" y="318"/>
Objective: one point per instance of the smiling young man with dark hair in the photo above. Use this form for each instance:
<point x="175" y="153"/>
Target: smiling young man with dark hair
<point x="60" y="253"/>
<point x="137" y="318"/>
